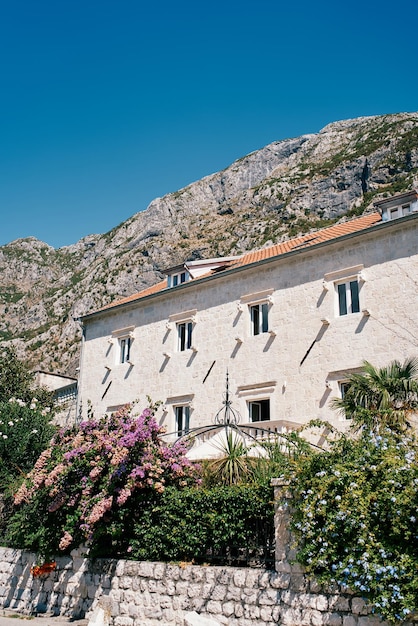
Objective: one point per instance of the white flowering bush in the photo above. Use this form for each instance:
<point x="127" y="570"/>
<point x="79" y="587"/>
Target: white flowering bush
<point x="25" y="431"/>
<point x="355" y="518"/>
<point x="25" y="421"/>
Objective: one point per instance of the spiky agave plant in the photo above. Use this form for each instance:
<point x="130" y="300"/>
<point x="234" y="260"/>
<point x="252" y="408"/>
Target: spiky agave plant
<point x="235" y="466"/>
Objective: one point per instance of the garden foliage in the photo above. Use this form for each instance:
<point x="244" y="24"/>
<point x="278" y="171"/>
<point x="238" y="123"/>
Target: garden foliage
<point x="25" y="420"/>
<point x="25" y="431"/>
<point x="381" y="396"/>
<point x="17" y="381"/>
<point x="87" y="474"/>
<point x="225" y="524"/>
<point x="113" y="484"/>
<point x="355" y="516"/>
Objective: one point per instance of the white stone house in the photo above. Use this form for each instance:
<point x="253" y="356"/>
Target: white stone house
<point x="64" y="389"/>
<point x="289" y="323"/>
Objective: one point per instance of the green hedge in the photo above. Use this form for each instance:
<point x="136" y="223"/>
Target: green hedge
<point x="221" y="524"/>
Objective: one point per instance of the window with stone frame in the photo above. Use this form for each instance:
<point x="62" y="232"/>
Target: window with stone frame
<point x="182" y="419"/>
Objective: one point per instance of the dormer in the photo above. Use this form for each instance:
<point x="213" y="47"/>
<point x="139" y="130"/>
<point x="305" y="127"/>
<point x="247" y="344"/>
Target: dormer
<point x="195" y="269"/>
<point x="397" y="206"/>
<point x="177" y="275"/>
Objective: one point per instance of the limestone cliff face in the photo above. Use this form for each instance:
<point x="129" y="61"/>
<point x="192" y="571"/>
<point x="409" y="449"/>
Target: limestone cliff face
<point x="287" y="188"/>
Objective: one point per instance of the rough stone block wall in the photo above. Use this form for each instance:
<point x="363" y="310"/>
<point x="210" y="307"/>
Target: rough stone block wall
<point x="146" y="594"/>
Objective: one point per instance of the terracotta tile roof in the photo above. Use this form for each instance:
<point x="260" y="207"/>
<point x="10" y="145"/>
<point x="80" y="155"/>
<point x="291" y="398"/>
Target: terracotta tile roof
<point x="311" y="239"/>
<point x="136" y="296"/>
<point x="303" y="242"/>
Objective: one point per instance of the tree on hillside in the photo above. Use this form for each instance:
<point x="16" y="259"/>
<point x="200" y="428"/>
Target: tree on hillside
<point x="18" y="381"/>
<point x="380" y="397"/>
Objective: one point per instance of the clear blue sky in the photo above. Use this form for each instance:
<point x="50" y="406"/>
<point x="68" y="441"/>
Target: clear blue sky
<point x="107" y="104"/>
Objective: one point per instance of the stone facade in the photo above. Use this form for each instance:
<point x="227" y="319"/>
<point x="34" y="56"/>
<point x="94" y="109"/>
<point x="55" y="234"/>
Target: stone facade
<point x="297" y="367"/>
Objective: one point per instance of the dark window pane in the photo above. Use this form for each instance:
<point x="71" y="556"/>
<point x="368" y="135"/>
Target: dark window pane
<point x="255" y="316"/>
<point x="342" y="299"/>
<point x="182" y="420"/>
<point x="125" y="349"/>
<point x="259" y="411"/>
<point x="182" y="336"/>
<point x="179" y="420"/>
<point x="355" y="301"/>
<point x="265" y="410"/>
<point x="265" y="314"/>
<point x="255" y="411"/>
<point x="189" y="334"/>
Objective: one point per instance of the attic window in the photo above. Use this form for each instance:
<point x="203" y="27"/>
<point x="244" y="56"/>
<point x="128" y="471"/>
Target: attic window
<point x="398" y="211"/>
<point x="398" y="206"/>
<point x="178" y="278"/>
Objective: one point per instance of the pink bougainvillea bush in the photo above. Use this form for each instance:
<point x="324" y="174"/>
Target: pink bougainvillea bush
<point x="90" y="476"/>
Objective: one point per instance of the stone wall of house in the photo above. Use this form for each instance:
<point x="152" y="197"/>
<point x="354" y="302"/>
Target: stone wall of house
<point x="298" y="368"/>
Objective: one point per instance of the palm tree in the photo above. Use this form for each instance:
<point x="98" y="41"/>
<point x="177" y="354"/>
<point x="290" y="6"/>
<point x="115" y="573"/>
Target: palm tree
<point x="383" y="396"/>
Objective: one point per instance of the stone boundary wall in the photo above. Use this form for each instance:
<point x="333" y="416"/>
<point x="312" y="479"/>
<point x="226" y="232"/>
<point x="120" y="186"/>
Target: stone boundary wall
<point x="140" y="593"/>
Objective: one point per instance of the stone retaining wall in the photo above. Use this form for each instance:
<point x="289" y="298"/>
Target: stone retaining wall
<point x="145" y="594"/>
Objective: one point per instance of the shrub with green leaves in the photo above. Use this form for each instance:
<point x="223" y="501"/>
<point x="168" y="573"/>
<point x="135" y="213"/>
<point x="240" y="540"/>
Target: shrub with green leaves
<point x="191" y="524"/>
<point x="356" y="518"/>
<point x="246" y="461"/>
<point x="18" y="381"/>
<point x="25" y="420"/>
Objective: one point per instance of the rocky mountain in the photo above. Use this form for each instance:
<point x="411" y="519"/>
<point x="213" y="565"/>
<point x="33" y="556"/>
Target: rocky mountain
<point x="287" y="188"/>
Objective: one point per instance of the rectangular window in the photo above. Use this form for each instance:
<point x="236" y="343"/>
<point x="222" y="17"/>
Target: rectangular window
<point x="182" y="420"/>
<point x="184" y="333"/>
<point x="259" y="318"/>
<point x="348" y="297"/>
<point x="259" y="411"/>
<point x="125" y="349"/>
<point x="344" y="386"/>
<point x="178" y="279"/>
